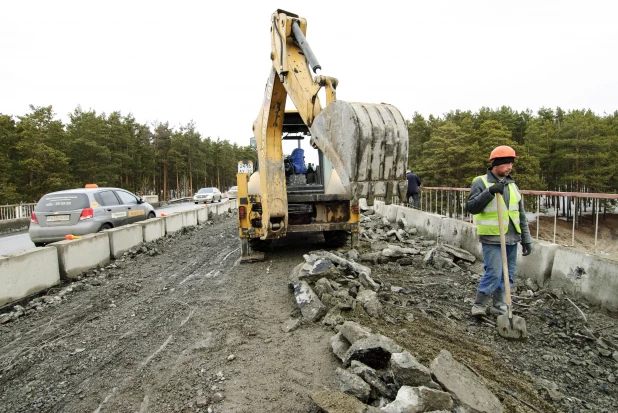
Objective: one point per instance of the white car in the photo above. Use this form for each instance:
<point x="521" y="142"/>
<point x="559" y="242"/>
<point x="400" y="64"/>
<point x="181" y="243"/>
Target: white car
<point x="232" y="193"/>
<point x="207" y="195"/>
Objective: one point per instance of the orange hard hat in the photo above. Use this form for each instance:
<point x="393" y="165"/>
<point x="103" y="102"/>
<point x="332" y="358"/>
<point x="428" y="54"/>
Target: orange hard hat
<point x="503" y="151"/>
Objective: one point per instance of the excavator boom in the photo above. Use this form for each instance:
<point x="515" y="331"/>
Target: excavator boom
<point x="363" y="148"/>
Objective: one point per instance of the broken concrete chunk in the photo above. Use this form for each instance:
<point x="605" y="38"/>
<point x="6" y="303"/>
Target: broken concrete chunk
<point x="407" y="401"/>
<point x="463" y="385"/>
<point x="333" y="317"/>
<point x="370" y="302"/>
<point x="347" y="264"/>
<point x="353" y="385"/>
<point x="352" y="255"/>
<point x="374" y="351"/>
<point x="459" y="253"/>
<point x="310" y="305"/>
<point x="339" y="345"/>
<point x="353" y="331"/>
<point x="408" y="371"/>
<point x="322" y="286"/>
<point x="333" y="401"/>
<point x="290" y="325"/>
<point x="435" y="400"/>
<point x="371" y="257"/>
<point x="368" y="282"/>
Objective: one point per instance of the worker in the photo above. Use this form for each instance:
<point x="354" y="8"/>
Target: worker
<point x="413" y="183"/>
<point x="483" y="204"/>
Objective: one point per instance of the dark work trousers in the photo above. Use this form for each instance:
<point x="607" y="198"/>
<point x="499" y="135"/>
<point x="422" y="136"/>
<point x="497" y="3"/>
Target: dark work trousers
<point x="414" y="199"/>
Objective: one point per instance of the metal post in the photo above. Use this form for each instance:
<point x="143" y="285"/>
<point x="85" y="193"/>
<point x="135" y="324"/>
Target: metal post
<point x="596" y="224"/>
<point x="448" y="204"/>
<point x="538" y="215"/>
<point x="574" y="218"/>
<point x="555" y="216"/>
<point x="441" y="202"/>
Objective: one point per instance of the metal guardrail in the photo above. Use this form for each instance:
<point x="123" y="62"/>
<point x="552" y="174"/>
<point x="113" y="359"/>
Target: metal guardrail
<point x="16" y="211"/>
<point x="451" y="202"/>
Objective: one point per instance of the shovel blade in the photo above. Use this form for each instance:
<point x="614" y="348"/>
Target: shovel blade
<point x="517" y="331"/>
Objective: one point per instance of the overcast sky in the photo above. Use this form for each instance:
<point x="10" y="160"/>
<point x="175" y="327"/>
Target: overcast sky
<point x="208" y="61"/>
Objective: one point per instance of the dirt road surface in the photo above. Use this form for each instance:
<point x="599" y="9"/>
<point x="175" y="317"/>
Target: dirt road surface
<point x="181" y="326"/>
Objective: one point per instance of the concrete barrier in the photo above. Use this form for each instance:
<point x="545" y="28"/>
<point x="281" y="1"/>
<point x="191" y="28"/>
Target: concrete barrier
<point x="27" y="272"/>
<point x="173" y="223"/>
<point x="538" y="265"/>
<point x="124" y="238"/>
<point x="153" y="229"/>
<point x="13" y="225"/>
<point x="77" y="256"/>
<point x="586" y="275"/>
<point x="461" y="234"/>
<point x="189" y="218"/>
<point x="576" y="272"/>
<point x="202" y="215"/>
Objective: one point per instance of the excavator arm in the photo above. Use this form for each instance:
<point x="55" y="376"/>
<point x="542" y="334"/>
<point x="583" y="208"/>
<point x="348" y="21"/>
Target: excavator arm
<point x="367" y="144"/>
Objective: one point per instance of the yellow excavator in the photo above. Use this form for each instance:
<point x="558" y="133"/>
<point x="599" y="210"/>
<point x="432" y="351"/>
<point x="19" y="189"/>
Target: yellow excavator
<point x="360" y="151"/>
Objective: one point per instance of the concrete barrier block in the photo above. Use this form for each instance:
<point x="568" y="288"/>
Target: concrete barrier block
<point x="427" y="224"/>
<point x="586" y="275"/>
<point x="27" y="272"/>
<point x="461" y="234"/>
<point x="80" y="255"/>
<point x="124" y="238"/>
<point x="202" y="215"/>
<point x="189" y="218"/>
<point x="538" y="265"/>
<point x="153" y="229"/>
<point x="173" y="223"/>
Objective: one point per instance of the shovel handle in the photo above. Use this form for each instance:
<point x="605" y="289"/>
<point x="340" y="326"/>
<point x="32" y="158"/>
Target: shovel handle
<point x="505" y="264"/>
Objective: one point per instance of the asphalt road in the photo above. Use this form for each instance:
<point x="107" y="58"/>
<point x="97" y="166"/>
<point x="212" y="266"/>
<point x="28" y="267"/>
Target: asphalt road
<point x="20" y="241"/>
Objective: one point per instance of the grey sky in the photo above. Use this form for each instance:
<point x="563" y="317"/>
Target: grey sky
<point x="181" y="61"/>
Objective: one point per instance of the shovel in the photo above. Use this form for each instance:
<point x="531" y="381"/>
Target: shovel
<point x="509" y="326"/>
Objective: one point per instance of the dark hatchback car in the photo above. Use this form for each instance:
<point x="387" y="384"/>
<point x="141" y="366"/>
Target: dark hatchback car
<point x="84" y="211"/>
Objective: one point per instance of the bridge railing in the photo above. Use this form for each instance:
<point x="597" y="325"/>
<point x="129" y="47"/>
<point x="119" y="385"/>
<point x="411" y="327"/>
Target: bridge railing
<point x="573" y="206"/>
<point x="16" y="211"/>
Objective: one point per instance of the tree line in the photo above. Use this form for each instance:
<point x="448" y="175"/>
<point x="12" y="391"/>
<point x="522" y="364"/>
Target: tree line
<point x="40" y="154"/>
<point x="558" y="150"/>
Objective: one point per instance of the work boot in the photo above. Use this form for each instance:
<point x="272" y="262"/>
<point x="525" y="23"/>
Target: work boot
<point x="499" y="304"/>
<point x="480" y="303"/>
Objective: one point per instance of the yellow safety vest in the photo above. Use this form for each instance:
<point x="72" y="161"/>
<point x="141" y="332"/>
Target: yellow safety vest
<point x="487" y="221"/>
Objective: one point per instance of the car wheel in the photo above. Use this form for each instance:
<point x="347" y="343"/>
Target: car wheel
<point x="196" y="203"/>
<point x="39" y="244"/>
<point x="151" y="215"/>
<point x="105" y="226"/>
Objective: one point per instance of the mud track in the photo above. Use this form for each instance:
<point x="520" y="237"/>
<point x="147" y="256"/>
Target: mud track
<point x="182" y="326"/>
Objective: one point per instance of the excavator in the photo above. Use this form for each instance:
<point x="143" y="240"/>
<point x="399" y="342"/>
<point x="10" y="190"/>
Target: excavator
<point x="361" y="152"/>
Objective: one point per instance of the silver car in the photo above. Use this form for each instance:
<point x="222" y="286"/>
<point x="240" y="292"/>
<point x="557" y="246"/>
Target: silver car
<point x="207" y="195"/>
<point x="232" y="193"/>
<point x="84" y="211"/>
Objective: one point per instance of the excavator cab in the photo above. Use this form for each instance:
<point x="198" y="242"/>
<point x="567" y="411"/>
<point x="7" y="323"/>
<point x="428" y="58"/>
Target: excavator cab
<point x="360" y="150"/>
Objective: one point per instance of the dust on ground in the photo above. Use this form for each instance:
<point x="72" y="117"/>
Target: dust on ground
<point x="180" y="326"/>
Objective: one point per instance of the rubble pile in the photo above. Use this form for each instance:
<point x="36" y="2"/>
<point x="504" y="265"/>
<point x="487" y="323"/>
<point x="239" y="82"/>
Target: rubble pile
<point x="397" y="276"/>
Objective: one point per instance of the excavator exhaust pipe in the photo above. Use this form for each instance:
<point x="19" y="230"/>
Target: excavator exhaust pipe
<point x="367" y="145"/>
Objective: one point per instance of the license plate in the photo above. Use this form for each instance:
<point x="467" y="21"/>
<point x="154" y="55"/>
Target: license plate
<point x="56" y="218"/>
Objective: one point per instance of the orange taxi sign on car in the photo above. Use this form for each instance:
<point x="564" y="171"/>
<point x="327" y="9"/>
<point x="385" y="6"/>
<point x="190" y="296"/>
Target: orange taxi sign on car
<point x="91" y="186"/>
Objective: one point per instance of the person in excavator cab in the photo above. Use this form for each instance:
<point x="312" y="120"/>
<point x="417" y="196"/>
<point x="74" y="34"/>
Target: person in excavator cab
<point x="483" y="203"/>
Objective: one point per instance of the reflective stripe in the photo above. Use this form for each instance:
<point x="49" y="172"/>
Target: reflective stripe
<point x="487" y="221"/>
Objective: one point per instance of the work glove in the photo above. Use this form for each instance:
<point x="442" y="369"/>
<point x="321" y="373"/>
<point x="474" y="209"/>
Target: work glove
<point x="527" y="248"/>
<point x="497" y="188"/>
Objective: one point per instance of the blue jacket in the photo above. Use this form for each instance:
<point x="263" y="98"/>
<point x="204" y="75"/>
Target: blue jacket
<point x="413" y="183"/>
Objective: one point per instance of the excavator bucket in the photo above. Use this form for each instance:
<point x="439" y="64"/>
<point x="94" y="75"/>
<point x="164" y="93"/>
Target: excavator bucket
<point x="368" y="147"/>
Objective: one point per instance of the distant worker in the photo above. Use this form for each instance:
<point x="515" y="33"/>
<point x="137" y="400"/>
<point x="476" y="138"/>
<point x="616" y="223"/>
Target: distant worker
<point x="413" y="183"/>
<point x="483" y="204"/>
